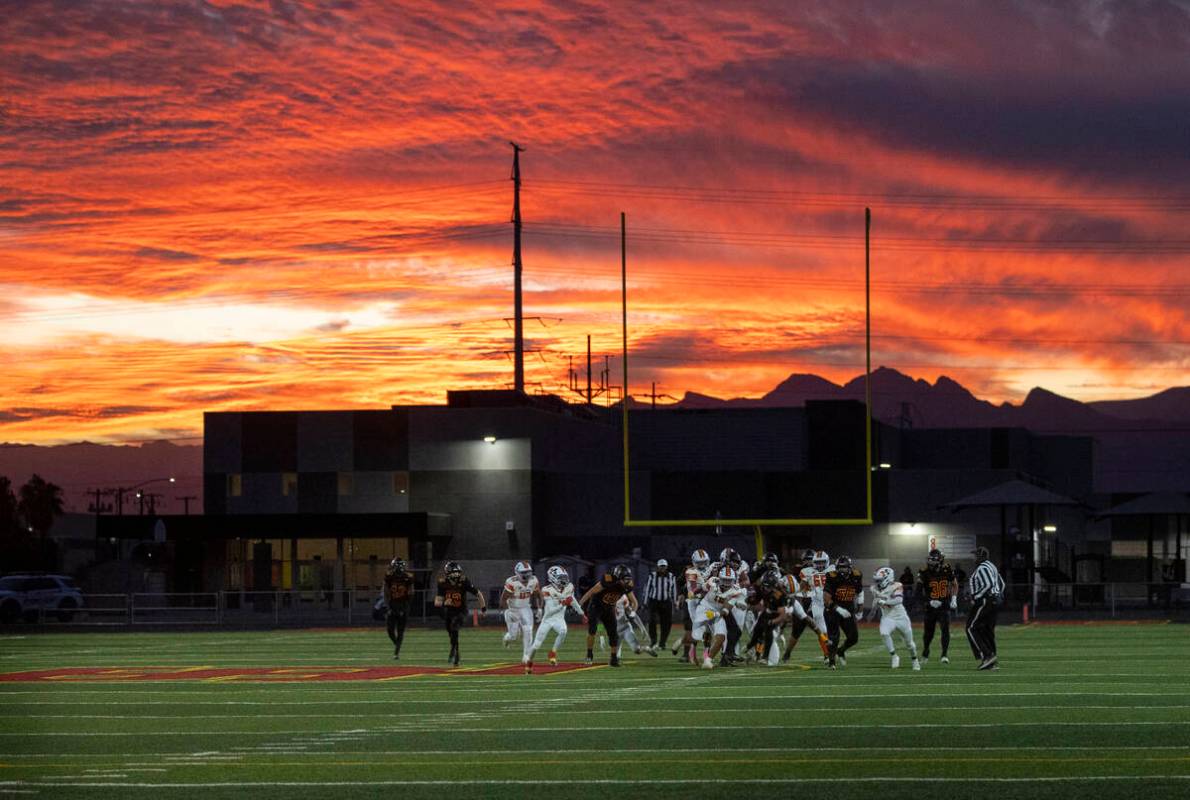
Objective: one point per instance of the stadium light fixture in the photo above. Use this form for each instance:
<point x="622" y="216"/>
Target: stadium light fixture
<point x="1050" y="528"/>
<point x="885" y="465"/>
<point x="490" y="439"/>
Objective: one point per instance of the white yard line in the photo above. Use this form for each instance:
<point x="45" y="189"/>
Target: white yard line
<point x="891" y="779"/>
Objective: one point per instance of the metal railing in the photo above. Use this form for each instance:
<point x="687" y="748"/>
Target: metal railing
<point x="354" y="607"/>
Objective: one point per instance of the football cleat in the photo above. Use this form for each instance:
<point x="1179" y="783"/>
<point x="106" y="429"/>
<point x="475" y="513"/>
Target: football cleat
<point x="553" y="658"/>
<point x="614" y="661"/>
<point x="588" y="661"/>
<point x="896" y="661"/>
<point x="528" y="668"/>
<point x="842" y="659"/>
<point x="916" y="665"/>
<point x="945" y="660"/>
<point x="707" y="663"/>
<point x="652" y="651"/>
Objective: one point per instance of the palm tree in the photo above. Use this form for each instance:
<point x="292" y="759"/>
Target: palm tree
<point x="40" y="504"/>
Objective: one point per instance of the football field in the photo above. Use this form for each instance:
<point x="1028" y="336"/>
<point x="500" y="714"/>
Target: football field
<point x="1076" y="711"/>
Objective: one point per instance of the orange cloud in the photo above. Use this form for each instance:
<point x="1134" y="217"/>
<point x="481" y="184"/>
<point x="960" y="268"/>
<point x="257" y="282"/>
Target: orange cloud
<point x="248" y="205"/>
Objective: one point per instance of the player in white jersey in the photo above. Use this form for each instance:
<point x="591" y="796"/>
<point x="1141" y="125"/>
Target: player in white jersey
<point x="723" y="597"/>
<point x="815" y="577"/>
<point x="557" y="596"/>
<point x="521" y="591"/>
<point x="632" y="631"/>
<point x="890" y="600"/>
<point x="695" y="579"/>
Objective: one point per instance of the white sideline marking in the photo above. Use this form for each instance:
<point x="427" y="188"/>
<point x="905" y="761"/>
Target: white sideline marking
<point x="397" y="728"/>
<point x="250" y="751"/>
<point x="570" y="699"/>
<point x="611" y="781"/>
<point x="437" y="715"/>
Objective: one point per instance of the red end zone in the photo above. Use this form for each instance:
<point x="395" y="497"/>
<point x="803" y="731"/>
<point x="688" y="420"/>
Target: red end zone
<point x="267" y="674"/>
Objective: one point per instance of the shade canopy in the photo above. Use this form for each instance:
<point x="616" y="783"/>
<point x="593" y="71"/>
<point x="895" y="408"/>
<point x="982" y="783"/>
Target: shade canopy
<point x="1155" y="504"/>
<point x="1012" y="493"/>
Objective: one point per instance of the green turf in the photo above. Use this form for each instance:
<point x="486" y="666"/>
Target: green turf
<point x="1076" y="711"/>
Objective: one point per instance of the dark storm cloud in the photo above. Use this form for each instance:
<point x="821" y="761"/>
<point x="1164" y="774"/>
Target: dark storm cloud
<point x="956" y="115"/>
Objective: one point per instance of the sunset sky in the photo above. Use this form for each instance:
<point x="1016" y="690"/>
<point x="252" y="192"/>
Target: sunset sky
<point x="248" y="205"/>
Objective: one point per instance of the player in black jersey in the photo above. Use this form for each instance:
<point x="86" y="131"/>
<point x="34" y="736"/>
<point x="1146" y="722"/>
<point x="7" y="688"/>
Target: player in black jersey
<point x="938" y="586"/>
<point x="603" y="597"/>
<point x="843" y="599"/>
<point x="453" y="588"/>
<point x="771" y="594"/>
<point x="398" y="593"/>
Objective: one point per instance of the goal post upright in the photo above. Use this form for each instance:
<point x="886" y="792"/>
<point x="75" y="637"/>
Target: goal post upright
<point x="629" y="522"/>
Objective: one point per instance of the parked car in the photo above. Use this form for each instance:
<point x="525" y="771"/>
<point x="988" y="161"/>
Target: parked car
<point x="28" y="595"/>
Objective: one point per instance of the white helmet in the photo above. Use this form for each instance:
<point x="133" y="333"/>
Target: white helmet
<point x="727" y="578"/>
<point x="884" y="576"/>
<point x="700" y="558"/>
<point x="557" y="576"/>
<point x="523" y="571"/>
<point x="821" y="560"/>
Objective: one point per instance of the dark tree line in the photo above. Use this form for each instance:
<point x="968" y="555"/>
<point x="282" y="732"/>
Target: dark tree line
<point x="26" y="516"/>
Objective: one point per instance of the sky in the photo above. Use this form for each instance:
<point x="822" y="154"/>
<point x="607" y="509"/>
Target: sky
<point x="220" y="206"/>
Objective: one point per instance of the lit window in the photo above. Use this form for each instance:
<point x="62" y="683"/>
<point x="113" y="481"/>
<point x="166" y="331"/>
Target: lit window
<point x="289" y="484"/>
<point x="400" y="483"/>
<point x="346" y="484"/>
<point x="235" y="485"/>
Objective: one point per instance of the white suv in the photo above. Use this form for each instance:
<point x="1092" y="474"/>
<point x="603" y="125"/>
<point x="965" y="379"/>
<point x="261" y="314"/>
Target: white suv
<point x="27" y="595"/>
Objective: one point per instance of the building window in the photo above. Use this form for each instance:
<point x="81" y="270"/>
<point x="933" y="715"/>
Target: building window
<point x="235" y="485"/>
<point x="346" y="484"/>
<point x="289" y="484"/>
<point x="400" y="483"/>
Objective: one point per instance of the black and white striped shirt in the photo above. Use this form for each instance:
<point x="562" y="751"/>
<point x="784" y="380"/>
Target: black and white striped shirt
<point x="660" y="587"/>
<point x="986" y="582"/>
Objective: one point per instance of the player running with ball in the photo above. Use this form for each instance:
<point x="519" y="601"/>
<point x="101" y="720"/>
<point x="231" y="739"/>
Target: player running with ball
<point x="889" y="597"/>
<point x="723" y="597"/>
<point x="557" y="595"/>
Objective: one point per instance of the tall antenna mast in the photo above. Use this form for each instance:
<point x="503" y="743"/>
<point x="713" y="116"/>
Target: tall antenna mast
<point x="518" y="310"/>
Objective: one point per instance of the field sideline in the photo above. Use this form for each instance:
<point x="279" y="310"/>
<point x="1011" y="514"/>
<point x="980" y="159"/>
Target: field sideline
<point x="1077" y="710"/>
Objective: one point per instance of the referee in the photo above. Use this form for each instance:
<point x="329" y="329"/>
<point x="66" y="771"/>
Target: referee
<point x="661" y="596"/>
<point x="987" y="587"/>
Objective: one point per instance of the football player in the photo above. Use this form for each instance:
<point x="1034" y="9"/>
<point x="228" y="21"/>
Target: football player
<point x="843" y="603"/>
<point x="398" y="592"/>
<point x="453" y="588"/>
<point x="557" y="596"/>
<point x="603" y="597"/>
<point x="738" y="619"/>
<point x="632" y="631"/>
<point x="939" y="586"/>
<point x="519" y="599"/>
<point x="695" y="580"/>
<point x="888" y="597"/>
<point x="723" y="597"/>
<point x="803" y="597"/>
<point x="815" y="579"/>
<point x="772" y="593"/>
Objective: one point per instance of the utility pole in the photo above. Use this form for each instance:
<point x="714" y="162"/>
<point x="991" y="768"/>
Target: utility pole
<point x="590" y="397"/>
<point x="186" y="503"/>
<point x="518" y="310"/>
